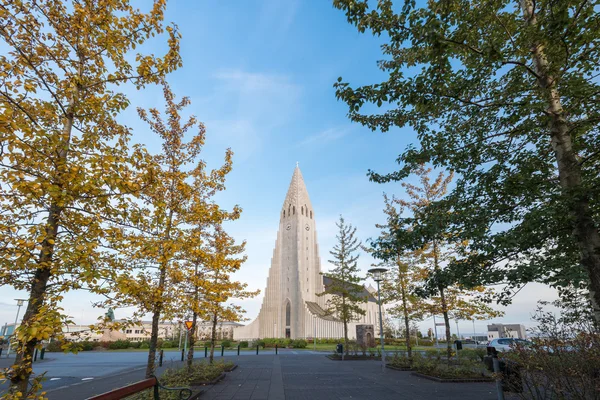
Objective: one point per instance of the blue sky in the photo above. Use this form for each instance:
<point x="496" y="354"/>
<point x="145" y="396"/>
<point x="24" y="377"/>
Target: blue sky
<point x="260" y="75"/>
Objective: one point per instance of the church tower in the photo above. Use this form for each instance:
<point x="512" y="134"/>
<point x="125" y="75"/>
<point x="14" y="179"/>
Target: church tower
<point x="291" y="307"/>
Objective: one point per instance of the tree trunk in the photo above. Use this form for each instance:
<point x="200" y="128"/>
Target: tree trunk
<point x="192" y="341"/>
<point x="192" y="337"/>
<point x="586" y="232"/>
<point x="213" y="338"/>
<point x="344" y="314"/>
<point x="150" y="366"/>
<point x="406" y="320"/>
<point x="24" y="354"/>
<point x="446" y="323"/>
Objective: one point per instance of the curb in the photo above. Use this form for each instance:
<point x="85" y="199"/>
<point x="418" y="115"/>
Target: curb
<point x="453" y="380"/>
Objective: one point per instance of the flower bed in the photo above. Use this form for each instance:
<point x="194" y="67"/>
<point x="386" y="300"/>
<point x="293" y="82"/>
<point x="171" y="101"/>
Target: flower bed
<point x="466" y="371"/>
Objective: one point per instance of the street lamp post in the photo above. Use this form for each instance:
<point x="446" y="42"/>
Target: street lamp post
<point x="19" y="304"/>
<point x="457" y="331"/>
<point x="378" y="277"/>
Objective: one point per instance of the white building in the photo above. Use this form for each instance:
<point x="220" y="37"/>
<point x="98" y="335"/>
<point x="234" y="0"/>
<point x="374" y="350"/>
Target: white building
<point x="291" y="307"/>
<point x="137" y="333"/>
<point x="516" y="331"/>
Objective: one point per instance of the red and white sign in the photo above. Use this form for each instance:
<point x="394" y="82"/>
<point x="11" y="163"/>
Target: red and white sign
<point x="188" y="325"/>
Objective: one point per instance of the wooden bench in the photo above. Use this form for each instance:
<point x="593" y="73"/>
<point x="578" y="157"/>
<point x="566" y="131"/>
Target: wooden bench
<point x="120" y="393"/>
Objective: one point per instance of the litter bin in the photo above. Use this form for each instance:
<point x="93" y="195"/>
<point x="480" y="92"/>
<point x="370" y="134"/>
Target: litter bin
<point x="339" y="348"/>
<point x="458" y="344"/>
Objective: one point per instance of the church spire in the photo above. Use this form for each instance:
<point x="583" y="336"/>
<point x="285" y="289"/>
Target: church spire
<point x="297" y="201"/>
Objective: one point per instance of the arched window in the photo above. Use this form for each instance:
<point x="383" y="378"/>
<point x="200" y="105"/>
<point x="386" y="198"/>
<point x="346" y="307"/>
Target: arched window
<point x="294" y="209"/>
<point x="283" y="213"/>
<point x="311" y="215"/>
<point x="290" y="209"/>
<point x="288" y="314"/>
<point x="302" y="210"/>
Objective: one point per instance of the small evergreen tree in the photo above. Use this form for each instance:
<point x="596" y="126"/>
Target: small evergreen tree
<point x="345" y="288"/>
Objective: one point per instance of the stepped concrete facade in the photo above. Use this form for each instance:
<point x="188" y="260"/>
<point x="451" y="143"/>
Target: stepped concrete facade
<point x="291" y="307"/>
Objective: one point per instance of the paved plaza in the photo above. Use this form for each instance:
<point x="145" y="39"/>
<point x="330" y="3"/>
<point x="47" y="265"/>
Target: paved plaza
<point x="291" y="375"/>
<point x="315" y="377"/>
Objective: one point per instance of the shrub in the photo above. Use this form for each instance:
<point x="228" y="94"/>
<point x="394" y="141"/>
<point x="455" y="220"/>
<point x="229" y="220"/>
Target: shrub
<point x="400" y="361"/>
<point x="243" y="344"/>
<point x="54" y="346"/>
<point x="473" y="354"/>
<point x="135" y="345"/>
<point x="433" y="367"/>
<point x="170" y="344"/>
<point x="144" y="345"/>
<point x="226" y="343"/>
<point x="260" y="343"/>
<point x="426" y="342"/>
<point x="119" y="345"/>
<point x="299" y="344"/>
<point x="86" y="345"/>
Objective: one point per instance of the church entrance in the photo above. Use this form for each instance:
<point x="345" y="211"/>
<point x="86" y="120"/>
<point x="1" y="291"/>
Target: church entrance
<point x="288" y="318"/>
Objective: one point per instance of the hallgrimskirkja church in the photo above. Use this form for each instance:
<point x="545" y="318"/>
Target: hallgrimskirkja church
<point x="291" y="307"/>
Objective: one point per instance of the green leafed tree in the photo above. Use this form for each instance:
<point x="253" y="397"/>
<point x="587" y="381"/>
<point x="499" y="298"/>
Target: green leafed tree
<point x="404" y="272"/>
<point x="432" y="279"/>
<point x="505" y="93"/>
<point x="345" y="288"/>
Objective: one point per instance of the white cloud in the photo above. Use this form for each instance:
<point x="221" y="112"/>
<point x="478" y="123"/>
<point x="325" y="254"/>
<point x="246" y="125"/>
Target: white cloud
<point x="328" y="135"/>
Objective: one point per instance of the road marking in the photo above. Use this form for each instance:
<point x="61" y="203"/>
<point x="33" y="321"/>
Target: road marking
<point x="86" y="379"/>
<point x="54" y="379"/>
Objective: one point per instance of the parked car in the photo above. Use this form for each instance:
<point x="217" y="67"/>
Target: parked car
<point x="505" y="344"/>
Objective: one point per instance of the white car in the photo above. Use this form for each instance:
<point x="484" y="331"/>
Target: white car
<point x="506" y="344"/>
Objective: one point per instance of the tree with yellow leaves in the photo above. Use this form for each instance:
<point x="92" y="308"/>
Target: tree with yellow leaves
<point x="155" y="237"/>
<point x="205" y="185"/>
<point x="218" y="286"/>
<point x="65" y="164"/>
<point x="428" y="253"/>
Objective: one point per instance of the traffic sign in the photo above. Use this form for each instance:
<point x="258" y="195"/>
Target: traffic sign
<point x="188" y="325"/>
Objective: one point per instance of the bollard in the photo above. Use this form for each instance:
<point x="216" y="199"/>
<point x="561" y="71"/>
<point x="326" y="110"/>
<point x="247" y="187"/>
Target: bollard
<point x="205" y="351"/>
<point x="222" y="350"/>
<point x="275" y="348"/>
<point x="160" y="358"/>
<point x="1" y="351"/>
<point x="238" y="350"/>
<point x="256" y="349"/>
<point x="41" y="353"/>
<point x="182" y="354"/>
<point x="35" y="355"/>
